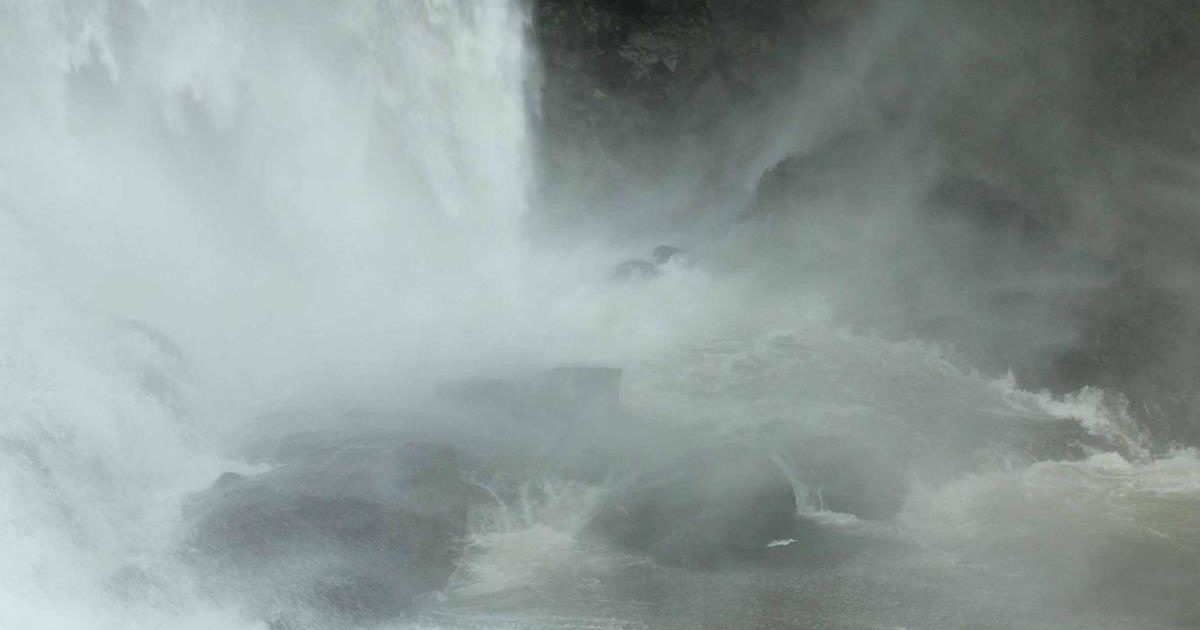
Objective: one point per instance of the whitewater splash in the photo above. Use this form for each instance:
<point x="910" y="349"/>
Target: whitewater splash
<point x="206" y="209"/>
<point x="1020" y="543"/>
<point x="212" y="209"/>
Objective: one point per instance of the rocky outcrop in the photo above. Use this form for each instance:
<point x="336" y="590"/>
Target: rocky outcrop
<point x="346" y="537"/>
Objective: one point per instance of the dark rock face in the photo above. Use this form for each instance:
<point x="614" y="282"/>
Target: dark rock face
<point x="708" y="506"/>
<point x="348" y="536"/>
<point x="619" y="70"/>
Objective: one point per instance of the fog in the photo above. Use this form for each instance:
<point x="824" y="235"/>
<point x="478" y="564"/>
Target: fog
<point x="921" y="351"/>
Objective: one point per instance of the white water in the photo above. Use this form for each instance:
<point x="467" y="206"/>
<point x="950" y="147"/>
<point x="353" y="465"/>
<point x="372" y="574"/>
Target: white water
<point x="210" y="209"/>
<point x="1017" y="544"/>
<point x="255" y="177"/>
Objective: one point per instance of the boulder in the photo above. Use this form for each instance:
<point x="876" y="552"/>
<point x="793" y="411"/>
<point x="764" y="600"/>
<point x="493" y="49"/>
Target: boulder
<point x="845" y="474"/>
<point x="349" y="536"/>
<point x="708" y="506"/>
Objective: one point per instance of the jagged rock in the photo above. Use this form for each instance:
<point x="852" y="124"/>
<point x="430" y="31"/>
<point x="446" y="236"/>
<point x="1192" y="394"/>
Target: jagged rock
<point x="346" y="537"/>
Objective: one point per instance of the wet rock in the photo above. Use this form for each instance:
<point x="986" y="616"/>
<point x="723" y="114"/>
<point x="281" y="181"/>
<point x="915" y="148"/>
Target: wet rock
<point x="787" y="187"/>
<point x="635" y="269"/>
<point x="707" y="506"/>
<point x="991" y="209"/>
<point x="1137" y="336"/>
<point x="846" y="475"/>
<point x="227" y="479"/>
<point x="664" y="254"/>
<point x="348" y="537"/>
<point x="639" y="269"/>
<point x="713" y="96"/>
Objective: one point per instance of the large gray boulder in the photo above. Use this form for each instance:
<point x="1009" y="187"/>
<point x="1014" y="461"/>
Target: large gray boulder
<point x="706" y="507"/>
<point x="348" y="536"/>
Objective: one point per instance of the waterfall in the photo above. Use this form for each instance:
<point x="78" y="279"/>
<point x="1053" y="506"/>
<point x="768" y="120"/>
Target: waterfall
<point x="209" y="207"/>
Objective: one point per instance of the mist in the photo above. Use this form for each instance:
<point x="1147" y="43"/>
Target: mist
<point x="589" y="314"/>
<point x="1008" y="182"/>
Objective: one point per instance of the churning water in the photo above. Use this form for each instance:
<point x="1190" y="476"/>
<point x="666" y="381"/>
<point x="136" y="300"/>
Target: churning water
<point x="211" y="210"/>
<point x="203" y="202"/>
